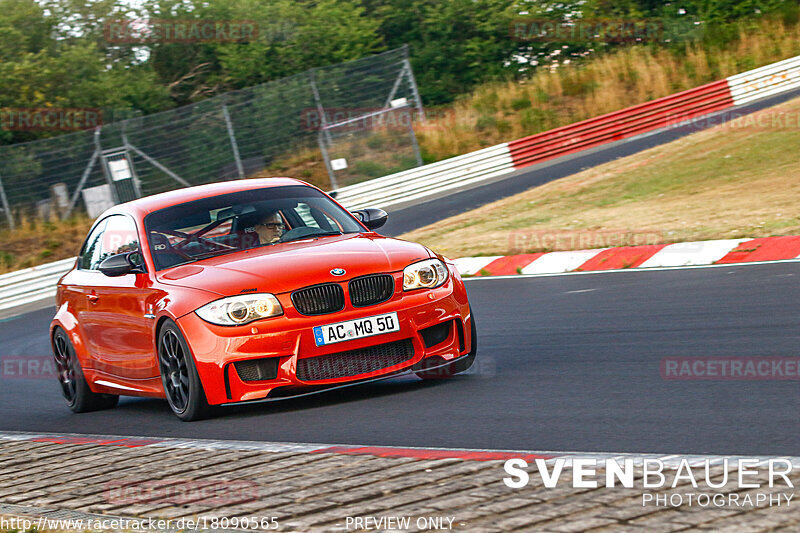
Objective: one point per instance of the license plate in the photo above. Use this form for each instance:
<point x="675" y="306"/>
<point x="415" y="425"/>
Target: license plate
<point x="356" y="329"/>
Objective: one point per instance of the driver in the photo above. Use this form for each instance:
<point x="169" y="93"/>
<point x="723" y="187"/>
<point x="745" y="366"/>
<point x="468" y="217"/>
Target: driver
<point x="270" y="228"/>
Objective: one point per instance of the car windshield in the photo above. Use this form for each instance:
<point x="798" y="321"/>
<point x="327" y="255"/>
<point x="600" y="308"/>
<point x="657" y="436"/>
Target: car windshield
<point x="247" y="219"/>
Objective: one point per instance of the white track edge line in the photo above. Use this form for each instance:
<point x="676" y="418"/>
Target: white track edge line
<point x="640" y="270"/>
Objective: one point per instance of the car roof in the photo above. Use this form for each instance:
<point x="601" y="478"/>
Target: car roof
<point x="148" y="204"/>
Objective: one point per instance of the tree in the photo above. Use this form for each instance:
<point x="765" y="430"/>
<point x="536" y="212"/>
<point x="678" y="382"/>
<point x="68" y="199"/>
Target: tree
<point x="455" y="44"/>
<point x="45" y="62"/>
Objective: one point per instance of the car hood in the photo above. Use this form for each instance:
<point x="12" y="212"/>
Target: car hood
<point x="287" y="266"/>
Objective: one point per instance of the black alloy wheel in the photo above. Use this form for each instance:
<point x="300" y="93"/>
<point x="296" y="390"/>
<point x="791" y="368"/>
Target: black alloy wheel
<point x="76" y="391"/>
<point x="179" y="376"/>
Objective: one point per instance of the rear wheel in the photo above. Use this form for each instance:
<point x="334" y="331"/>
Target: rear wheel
<point x="462" y="364"/>
<point x="75" y="389"/>
<point x="179" y="376"/>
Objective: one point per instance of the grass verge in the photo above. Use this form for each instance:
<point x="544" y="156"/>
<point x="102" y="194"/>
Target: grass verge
<point x="36" y="242"/>
<point x="740" y="179"/>
<point x="567" y="91"/>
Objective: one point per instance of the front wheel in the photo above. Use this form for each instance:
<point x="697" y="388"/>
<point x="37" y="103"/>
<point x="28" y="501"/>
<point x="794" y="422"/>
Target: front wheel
<point x="461" y="364"/>
<point x="74" y="388"/>
<point x="182" y="385"/>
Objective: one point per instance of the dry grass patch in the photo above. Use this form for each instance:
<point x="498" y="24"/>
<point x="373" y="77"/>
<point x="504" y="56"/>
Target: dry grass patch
<point x="36" y="242"/>
<point x="555" y="96"/>
<point x="735" y="180"/>
<point x="568" y="92"/>
<point x="579" y="89"/>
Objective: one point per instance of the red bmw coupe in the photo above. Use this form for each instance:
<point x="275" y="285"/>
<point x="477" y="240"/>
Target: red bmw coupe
<point x="251" y="291"/>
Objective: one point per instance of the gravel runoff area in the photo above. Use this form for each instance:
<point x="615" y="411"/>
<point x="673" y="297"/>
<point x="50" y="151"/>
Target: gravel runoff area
<point x="152" y="485"/>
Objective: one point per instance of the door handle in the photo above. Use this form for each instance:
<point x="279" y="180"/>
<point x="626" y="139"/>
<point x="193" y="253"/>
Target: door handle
<point x="92" y="297"/>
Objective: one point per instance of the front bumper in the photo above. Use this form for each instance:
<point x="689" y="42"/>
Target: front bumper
<point x="287" y="339"/>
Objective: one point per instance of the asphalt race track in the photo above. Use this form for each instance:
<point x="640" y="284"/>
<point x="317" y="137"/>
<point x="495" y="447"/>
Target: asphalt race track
<point x="566" y="363"/>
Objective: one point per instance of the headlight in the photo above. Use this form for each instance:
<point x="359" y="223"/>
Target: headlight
<point x="426" y="274"/>
<point x="238" y="310"/>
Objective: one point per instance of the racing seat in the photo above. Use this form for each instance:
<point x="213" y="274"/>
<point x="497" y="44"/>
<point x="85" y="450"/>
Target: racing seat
<point x="163" y="254"/>
<point x="244" y="232"/>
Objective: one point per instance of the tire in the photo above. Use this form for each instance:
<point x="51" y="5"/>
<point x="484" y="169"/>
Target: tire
<point x="182" y="385"/>
<point x="461" y="364"/>
<point x="74" y="388"/>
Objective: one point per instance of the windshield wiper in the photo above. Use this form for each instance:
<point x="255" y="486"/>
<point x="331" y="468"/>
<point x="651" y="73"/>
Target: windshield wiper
<point x="214" y="253"/>
<point x="311" y="236"/>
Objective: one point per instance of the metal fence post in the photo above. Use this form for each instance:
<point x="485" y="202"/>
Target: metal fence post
<point x="327" y="159"/>
<point x="414" y="142"/>
<point x="84" y="177"/>
<point x="137" y="188"/>
<point x="396" y="85"/>
<point x="323" y="131"/>
<point x="158" y="165"/>
<point x="106" y="171"/>
<point x="6" y="207"/>
<point x="234" y="146"/>
<point x="413" y="83"/>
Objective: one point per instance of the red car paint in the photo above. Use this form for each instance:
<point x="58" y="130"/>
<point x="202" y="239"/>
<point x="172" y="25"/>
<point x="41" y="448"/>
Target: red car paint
<point x="113" y="322"/>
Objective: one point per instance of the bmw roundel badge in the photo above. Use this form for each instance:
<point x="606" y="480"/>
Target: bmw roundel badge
<point x="338" y="272"/>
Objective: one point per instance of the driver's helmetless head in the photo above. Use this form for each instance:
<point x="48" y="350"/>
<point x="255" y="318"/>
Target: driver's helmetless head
<point x="270" y="228"/>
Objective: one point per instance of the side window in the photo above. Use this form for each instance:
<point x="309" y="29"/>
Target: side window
<point x="335" y="226"/>
<point x="315" y="218"/>
<point x="114" y="235"/>
<point x="304" y="212"/>
<point x="119" y="237"/>
<point x="91" y="250"/>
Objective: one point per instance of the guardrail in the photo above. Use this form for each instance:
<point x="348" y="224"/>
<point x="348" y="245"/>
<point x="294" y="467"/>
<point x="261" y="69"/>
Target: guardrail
<point x="622" y="124"/>
<point x="460" y="171"/>
<point x="31" y="285"/>
<point x="421" y="182"/>
<point x="38" y="283"/>
<point x="765" y="81"/>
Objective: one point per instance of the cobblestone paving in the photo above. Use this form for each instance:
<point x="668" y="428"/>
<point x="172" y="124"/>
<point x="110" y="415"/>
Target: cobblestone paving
<point x="332" y="492"/>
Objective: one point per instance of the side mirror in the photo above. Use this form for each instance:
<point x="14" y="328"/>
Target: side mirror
<point x="371" y="217"/>
<point x="121" y="264"/>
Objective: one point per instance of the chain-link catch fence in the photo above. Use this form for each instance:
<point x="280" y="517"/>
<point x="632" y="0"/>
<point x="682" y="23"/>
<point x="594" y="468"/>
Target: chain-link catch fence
<point x="359" y="113"/>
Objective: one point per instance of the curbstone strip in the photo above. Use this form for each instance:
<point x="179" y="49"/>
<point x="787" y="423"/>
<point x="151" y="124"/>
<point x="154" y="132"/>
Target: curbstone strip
<point x="684" y="254"/>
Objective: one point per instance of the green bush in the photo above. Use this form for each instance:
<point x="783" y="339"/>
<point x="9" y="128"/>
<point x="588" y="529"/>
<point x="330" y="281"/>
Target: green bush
<point x="486" y="122"/>
<point x="503" y="127"/>
<point x="6" y="259"/>
<point x="370" y="169"/>
<point x="376" y="141"/>
<point x="519" y="104"/>
<point x="486" y="103"/>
